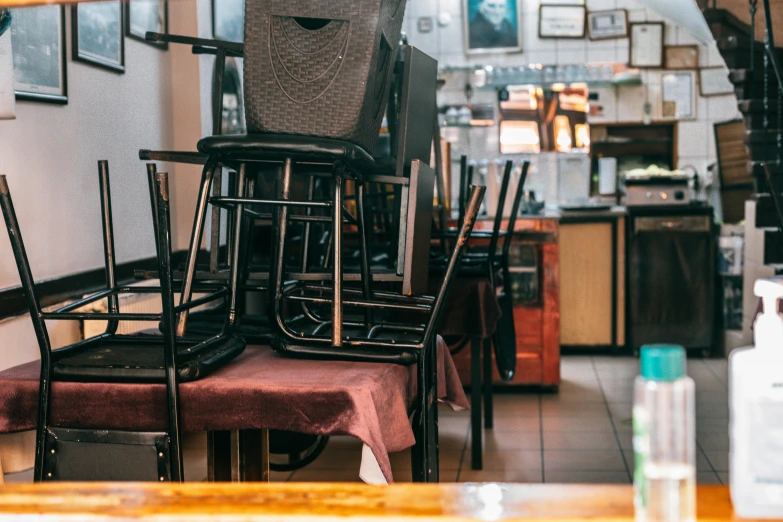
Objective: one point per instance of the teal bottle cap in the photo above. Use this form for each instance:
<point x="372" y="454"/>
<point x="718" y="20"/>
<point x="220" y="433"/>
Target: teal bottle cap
<point x="663" y="362"/>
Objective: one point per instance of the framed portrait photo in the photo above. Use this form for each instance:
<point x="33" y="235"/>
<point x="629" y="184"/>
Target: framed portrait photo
<point x="492" y="26"/>
<point x="607" y="25"/>
<point x="98" y="36"/>
<point x="228" y="20"/>
<point x="143" y="16"/>
<point x="561" y="21"/>
<point x="38" y="41"/>
<point x="679" y="57"/>
<point x="678" y="95"/>
<point x="714" y="81"/>
<point x="646" y="44"/>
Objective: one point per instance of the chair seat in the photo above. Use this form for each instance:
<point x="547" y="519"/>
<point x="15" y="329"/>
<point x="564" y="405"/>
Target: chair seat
<point x="139" y="359"/>
<point x="279" y="146"/>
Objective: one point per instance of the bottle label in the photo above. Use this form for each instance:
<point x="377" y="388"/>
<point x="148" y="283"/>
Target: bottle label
<point x="641" y="452"/>
<point x="766" y="443"/>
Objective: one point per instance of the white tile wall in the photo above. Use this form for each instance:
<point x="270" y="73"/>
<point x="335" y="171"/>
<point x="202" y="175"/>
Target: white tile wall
<point x="620" y="104"/>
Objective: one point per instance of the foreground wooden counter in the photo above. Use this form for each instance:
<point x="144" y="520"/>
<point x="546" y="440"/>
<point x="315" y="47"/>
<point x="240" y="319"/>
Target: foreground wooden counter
<point x="326" y="502"/>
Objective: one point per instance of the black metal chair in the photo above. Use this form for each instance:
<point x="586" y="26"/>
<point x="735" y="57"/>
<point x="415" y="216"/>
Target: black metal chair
<point x="71" y="454"/>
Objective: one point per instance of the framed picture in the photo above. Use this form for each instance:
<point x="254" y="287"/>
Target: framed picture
<point x="714" y="81"/>
<point x="38" y="40"/>
<point x="97" y="34"/>
<point x="144" y="16"/>
<point x="646" y="44"/>
<point x="561" y="21"/>
<point x="605" y="25"/>
<point x="228" y="20"/>
<point x="682" y="57"/>
<point x="492" y="26"/>
<point x="678" y="95"/>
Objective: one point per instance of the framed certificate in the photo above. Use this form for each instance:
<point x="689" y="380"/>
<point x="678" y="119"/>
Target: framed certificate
<point x="561" y="21"/>
<point x="682" y="57"/>
<point x="605" y="25"/>
<point x="678" y="96"/>
<point x="714" y="81"/>
<point x="646" y="44"/>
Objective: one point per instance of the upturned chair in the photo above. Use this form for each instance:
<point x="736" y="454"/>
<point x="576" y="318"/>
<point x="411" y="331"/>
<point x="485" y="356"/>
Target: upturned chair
<point x="95" y="454"/>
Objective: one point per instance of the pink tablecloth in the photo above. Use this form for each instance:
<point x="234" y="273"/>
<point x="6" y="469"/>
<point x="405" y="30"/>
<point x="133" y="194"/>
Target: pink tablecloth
<point x="259" y="389"/>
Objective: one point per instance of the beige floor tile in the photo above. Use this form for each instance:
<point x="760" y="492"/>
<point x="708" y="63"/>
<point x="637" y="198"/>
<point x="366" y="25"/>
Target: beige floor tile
<point x="510" y="440"/>
<point x="587" y="477"/>
<point x="580" y="440"/>
<point x="572" y="424"/>
<point x="521" y="476"/>
<point x="583" y="460"/>
<point x="574" y="409"/>
<point x="517" y="424"/>
<point x="511" y="459"/>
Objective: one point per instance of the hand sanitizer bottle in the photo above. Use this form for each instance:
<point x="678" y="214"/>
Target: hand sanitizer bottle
<point x="664" y="437"/>
<point x="756" y="412"/>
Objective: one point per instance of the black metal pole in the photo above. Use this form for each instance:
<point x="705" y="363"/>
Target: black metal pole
<point x="109" y="255"/>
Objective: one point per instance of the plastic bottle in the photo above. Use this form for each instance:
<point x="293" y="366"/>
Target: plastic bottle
<point x="756" y="412"/>
<point x="664" y="437"/>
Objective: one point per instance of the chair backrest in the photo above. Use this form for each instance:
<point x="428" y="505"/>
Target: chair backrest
<point x="512" y="219"/>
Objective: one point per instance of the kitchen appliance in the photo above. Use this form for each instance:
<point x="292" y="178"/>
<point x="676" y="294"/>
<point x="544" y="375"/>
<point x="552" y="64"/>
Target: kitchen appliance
<point x="671" y="277"/>
<point x="648" y="190"/>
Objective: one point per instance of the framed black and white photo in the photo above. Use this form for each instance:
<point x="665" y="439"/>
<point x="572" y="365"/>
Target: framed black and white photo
<point x="561" y="21"/>
<point x="714" y="81"/>
<point x="678" y="95"/>
<point x="228" y="20"/>
<point x="646" y="44"/>
<point x="492" y="26"/>
<point x="606" y="25"/>
<point x="38" y="41"/>
<point x="143" y="16"/>
<point x="98" y="34"/>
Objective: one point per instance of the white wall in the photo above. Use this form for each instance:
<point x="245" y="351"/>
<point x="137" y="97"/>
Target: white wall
<point x="50" y="155"/>
<point x="621" y="104"/>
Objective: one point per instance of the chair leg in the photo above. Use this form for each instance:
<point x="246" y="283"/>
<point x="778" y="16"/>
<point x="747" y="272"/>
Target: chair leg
<point x="236" y="245"/>
<point x="195" y="242"/>
<point x="487" y="385"/>
<point x="433" y="449"/>
<point x="421" y="431"/>
<point x="337" y="262"/>
<point x="364" y="252"/>
<point x="277" y="263"/>
<point x="250" y="456"/>
<point x="476" y="430"/>
<point x="219" y="456"/>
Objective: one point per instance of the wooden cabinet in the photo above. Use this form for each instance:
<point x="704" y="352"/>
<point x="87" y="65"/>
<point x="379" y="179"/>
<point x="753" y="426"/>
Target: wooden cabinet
<point x="536" y="318"/>
<point x="592" y="301"/>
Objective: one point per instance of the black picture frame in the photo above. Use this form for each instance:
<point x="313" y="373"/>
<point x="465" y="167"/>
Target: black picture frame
<point x="62" y="97"/>
<point x="79" y="56"/>
<point x="562" y="7"/>
<point x="215" y="30"/>
<point x="142" y="37"/>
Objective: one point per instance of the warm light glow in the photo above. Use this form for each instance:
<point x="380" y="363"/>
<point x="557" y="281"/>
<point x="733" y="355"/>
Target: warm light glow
<point x="582" y="135"/>
<point x="563" y="141"/>
<point x="558" y="87"/>
<point x="519" y="137"/>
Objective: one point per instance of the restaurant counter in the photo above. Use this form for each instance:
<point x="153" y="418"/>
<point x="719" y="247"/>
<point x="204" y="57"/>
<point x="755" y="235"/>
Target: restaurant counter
<point x="322" y="502"/>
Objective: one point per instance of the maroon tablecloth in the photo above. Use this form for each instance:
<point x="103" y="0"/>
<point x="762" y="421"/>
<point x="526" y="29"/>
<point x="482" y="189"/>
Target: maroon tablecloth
<point x="259" y="389"/>
<point x="471" y="309"/>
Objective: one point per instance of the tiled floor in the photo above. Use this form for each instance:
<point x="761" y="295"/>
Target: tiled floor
<point x="581" y="434"/>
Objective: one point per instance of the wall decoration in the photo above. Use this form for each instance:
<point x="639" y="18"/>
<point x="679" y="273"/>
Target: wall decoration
<point x="561" y="21"/>
<point x="646" y="44"/>
<point x="714" y="81"/>
<point x="678" y="96"/>
<point x="682" y="56"/>
<point x="144" y="16"/>
<point x="97" y="32"/>
<point x="38" y="40"/>
<point x="605" y="25"/>
<point x="425" y="24"/>
<point x="228" y="20"/>
<point x="492" y="26"/>
<point x="7" y="99"/>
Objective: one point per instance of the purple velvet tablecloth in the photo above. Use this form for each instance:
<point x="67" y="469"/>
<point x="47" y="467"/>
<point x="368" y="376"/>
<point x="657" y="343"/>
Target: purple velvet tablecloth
<point x="259" y="389"/>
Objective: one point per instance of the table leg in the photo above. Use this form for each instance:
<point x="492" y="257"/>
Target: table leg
<point x="219" y="456"/>
<point x="433" y="450"/>
<point x="615" y="349"/>
<point x="487" y="385"/>
<point x="476" y="441"/>
<point x="250" y="456"/>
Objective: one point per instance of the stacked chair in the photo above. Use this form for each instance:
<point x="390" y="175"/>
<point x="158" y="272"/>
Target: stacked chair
<point x="85" y="454"/>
